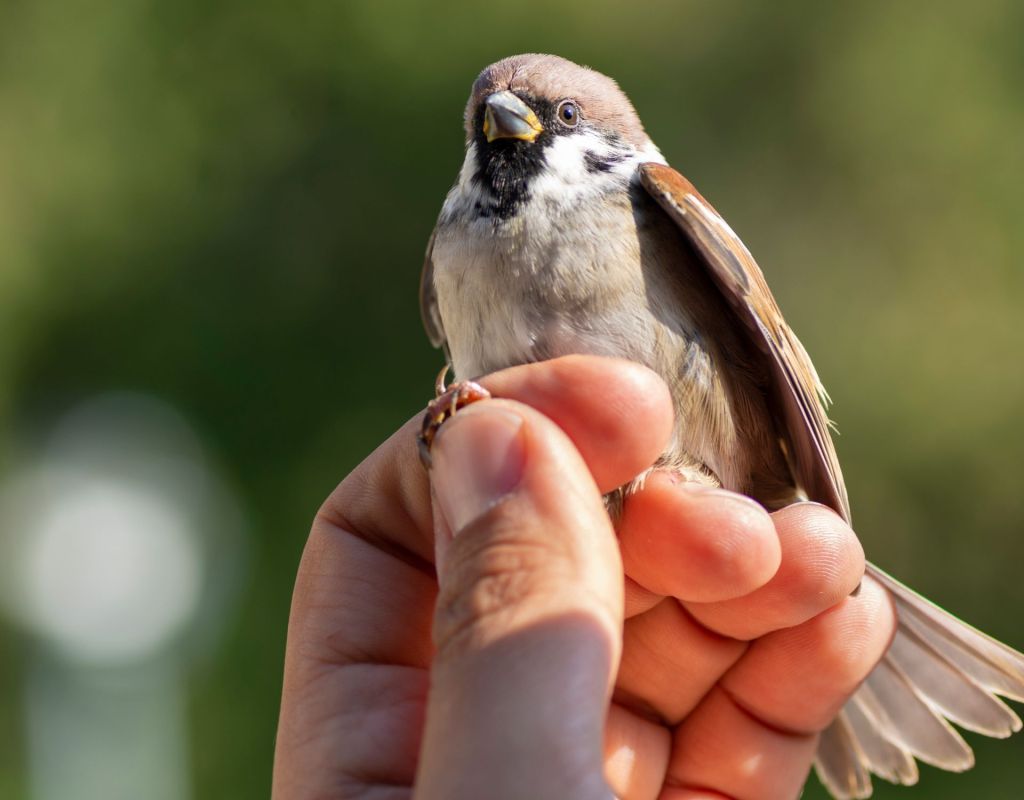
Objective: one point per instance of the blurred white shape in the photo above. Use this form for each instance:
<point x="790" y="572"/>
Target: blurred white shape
<point x="120" y="543"/>
<point x="112" y="572"/>
<point x="121" y="549"/>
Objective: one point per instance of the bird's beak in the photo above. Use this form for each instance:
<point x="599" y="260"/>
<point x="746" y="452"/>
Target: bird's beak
<point x="508" y="117"/>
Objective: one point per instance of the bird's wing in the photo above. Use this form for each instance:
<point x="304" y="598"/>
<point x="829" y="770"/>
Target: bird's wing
<point x="429" y="310"/>
<point x="795" y="386"/>
<point x="937" y="668"/>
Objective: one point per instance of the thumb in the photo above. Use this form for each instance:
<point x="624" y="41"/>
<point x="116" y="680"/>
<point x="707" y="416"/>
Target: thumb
<point x="529" y="614"/>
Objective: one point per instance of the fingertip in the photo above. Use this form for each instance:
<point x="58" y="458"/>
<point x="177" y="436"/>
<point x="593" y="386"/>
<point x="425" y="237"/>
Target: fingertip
<point x="626" y="402"/>
<point x="617" y="413"/>
<point x="478" y="457"/>
<point x="696" y="543"/>
<point x="822" y="563"/>
<point x="825" y="557"/>
<point x="639" y="392"/>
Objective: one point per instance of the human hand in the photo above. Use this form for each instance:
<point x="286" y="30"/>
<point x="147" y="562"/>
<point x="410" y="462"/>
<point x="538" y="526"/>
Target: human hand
<point x="734" y="642"/>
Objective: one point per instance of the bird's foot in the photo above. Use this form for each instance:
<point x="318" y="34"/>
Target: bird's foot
<point x="447" y="401"/>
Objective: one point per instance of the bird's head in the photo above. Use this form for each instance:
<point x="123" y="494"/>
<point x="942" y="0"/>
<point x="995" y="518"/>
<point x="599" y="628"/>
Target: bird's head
<point x="539" y="127"/>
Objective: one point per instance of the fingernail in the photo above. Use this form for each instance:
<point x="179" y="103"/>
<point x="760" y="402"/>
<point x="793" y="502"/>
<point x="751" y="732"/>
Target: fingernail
<point x="478" y="458"/>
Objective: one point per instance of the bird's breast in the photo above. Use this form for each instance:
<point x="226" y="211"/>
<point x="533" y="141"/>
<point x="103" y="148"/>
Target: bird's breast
<point x="541" y="285"/>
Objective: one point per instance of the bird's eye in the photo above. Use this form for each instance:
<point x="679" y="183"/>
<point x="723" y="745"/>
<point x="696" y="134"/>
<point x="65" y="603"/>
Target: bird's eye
<point x="568" y="114"/>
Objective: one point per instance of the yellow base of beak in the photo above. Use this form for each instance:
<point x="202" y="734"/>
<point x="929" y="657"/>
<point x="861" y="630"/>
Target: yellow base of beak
<point x="508" y="117"/>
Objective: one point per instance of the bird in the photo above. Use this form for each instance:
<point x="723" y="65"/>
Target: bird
<point x="567" y="232"/>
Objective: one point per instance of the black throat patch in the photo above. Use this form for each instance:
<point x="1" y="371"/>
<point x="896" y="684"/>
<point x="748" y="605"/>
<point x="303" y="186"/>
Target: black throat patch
<point x="505" y="168"/>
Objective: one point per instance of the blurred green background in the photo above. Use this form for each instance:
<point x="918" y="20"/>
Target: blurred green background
<point x="225" y="205"/>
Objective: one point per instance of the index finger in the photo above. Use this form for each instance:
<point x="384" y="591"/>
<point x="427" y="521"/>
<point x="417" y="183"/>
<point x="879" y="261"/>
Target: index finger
<point x="617" y="413"/>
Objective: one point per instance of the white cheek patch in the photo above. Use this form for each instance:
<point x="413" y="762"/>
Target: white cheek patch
<point x="567" y="179"/>
<point x="566" y="156"/>
<point x="467" y="195"/>
<point x="468" y="168"/>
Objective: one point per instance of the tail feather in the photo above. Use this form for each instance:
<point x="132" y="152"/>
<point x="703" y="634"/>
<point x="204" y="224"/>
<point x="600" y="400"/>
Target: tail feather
<point x="990" y="663"/>
<point x="882" y="757"/>
<point x="909" y="722"/>
<point x="989" y="677"/>
<point x="839" y="762"/>
<point x="937" y="669"/>
<point x="948" y="690"/>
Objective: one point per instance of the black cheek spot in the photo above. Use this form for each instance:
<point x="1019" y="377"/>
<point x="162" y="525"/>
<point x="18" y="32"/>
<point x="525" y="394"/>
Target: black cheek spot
<point x="596" y="163"/>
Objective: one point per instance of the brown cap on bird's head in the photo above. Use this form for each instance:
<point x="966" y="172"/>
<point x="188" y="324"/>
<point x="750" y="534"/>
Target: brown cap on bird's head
<point x="547" y="78"/>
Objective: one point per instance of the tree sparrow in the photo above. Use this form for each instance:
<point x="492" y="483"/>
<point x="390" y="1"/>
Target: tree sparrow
<point x="567" y="232"/>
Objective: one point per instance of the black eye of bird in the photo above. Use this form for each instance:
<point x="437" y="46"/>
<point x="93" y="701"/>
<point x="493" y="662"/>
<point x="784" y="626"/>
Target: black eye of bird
<point x="568" y="114"/>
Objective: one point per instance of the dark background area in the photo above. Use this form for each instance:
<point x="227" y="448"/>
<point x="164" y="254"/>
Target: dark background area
<point x="225" y="205"/>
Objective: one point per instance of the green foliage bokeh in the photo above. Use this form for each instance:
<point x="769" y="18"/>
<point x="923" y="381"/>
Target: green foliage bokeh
<point x="226" y="205"/>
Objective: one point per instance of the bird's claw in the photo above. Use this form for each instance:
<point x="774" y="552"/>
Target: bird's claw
<point x="443" y="406"/>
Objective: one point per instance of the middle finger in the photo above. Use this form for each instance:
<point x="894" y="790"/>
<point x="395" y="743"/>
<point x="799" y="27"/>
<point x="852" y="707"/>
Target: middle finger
<point x="673" y="652"/>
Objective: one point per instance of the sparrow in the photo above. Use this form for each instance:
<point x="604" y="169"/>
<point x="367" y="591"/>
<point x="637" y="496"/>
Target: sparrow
<point x="567" y="232"/>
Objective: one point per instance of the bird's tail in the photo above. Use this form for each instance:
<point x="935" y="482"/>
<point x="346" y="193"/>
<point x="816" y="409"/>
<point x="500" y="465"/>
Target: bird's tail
<point x="937" y="670"/>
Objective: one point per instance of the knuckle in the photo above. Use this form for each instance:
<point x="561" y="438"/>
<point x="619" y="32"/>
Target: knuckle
<point x="496" y="583"/>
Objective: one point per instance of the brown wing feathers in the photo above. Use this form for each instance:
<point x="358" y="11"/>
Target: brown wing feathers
<point x="797" y="390"/>
<point x="937" y="667"/>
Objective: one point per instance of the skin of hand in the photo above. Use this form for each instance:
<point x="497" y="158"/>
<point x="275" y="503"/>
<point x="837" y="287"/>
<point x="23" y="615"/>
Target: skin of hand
<point x="507" y="658"/>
